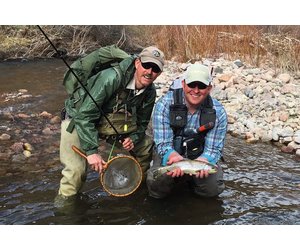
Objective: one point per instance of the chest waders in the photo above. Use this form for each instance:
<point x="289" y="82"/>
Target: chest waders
<point x="190" y="142"/>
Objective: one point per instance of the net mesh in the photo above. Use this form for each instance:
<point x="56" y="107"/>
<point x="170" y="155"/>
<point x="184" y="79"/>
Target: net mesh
<point x="122" y="176"/>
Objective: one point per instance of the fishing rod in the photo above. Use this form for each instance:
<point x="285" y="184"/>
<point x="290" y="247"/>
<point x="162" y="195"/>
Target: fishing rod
<point x="119" y="136"/>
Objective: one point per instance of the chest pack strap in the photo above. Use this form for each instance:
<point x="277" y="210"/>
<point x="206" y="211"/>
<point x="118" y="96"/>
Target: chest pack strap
<point x="178" y="112"/>
<point x="208" y="113"/>
<point x="191" y="144"/>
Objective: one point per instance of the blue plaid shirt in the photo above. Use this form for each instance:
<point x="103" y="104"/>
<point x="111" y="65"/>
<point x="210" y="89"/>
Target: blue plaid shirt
<point x="163" y="133"/>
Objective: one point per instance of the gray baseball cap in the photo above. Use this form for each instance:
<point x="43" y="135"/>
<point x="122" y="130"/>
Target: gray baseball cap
<point x="153" y="55"/>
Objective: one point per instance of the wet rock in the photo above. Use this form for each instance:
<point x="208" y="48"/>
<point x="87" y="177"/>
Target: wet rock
<point x="23" y="116"/>
<point x="5" y="137"/>
<point x="55" y="120"/>
<point x="45" y="114"/>
<point x="26" y="153"/>
<point x="27" y="131"/>
<point x="25" y="96"/>
<point x="36" y="139"/>
<point x="19" y="158"/>
<point x="28" y="146"/>
<point x="252" y="140"/>
<point x="287" y="149"/>
<point x="47" y="131"/>
<point x="22" y="91"/>
<point x="17" y="131"/>
<point x="17" y="147"/>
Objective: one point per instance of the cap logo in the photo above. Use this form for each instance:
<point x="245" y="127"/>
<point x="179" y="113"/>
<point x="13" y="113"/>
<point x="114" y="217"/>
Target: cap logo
<point x="156" y="53"/>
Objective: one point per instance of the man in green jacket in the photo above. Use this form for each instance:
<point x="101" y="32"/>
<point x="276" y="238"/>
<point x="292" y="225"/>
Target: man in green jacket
<point x="127" y="99"/>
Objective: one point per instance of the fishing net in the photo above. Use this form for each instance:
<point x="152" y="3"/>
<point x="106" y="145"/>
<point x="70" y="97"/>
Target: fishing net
<point x="122" y="176"/>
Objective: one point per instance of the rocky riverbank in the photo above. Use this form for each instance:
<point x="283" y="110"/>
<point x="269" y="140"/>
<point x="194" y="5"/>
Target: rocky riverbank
<point x="262" y="104"/>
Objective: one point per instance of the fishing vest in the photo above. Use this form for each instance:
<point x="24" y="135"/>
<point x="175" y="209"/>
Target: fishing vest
<point x="121" y="112"/>
<point x="189" y="145"/>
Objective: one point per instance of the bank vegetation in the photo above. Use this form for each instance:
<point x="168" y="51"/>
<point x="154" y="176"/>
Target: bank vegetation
<point x="276" y="46"/>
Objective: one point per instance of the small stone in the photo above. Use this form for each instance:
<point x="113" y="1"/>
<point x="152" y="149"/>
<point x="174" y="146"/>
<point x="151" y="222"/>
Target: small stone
<point x="17" y="147"/>
<point x="287" y="149"/>
<point x="26" y="153"/>
<point x="22" y="90"/>
<point x="27" y="146"/>
<point x="55" y="120"/>
<point x="5" y="137"/>
<point x="45" y="114"/>
<point x="47" y="131"/>
<point x="24" y="116"/>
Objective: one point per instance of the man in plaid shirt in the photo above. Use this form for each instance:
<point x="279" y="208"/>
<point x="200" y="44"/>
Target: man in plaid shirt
<point x="202" y="112"/>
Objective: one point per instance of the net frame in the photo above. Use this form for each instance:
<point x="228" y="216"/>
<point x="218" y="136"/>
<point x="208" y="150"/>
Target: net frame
<point x="109" y="163"/>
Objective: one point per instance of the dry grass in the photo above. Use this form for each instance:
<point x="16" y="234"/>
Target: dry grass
<point x="76" y="40"/>
<point x="254" y="44"/>
<point x="72" y="37"/>
<point x="278" y="46"/>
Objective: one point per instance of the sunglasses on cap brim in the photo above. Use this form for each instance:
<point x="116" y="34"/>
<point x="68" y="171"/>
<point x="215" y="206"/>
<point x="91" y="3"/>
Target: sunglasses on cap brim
<point x="200" y="85"/>
<point x="153" y="66"/>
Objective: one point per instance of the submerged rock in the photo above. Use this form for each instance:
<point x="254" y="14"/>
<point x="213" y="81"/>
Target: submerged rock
<point x="5" y="137"/>
<point x="27" y="153"/>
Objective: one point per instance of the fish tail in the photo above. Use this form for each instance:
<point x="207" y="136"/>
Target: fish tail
<point x="213" y="171"/>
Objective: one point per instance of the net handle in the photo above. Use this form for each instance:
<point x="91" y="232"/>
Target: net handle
<point x="78" y="151"/>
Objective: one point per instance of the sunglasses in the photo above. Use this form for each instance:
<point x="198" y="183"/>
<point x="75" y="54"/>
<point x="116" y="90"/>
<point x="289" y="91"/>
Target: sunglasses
<point x="153" y="66"/>
<point x="200" y="85"/>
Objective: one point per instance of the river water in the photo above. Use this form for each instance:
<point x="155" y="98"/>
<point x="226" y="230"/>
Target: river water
<point x="262" y="184"/>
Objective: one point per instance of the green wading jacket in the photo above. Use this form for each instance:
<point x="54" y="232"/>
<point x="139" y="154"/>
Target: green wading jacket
<point x="108" y="88"/>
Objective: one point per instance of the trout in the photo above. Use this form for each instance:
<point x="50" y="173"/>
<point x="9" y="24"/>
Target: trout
<point x="187" y="166"/>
